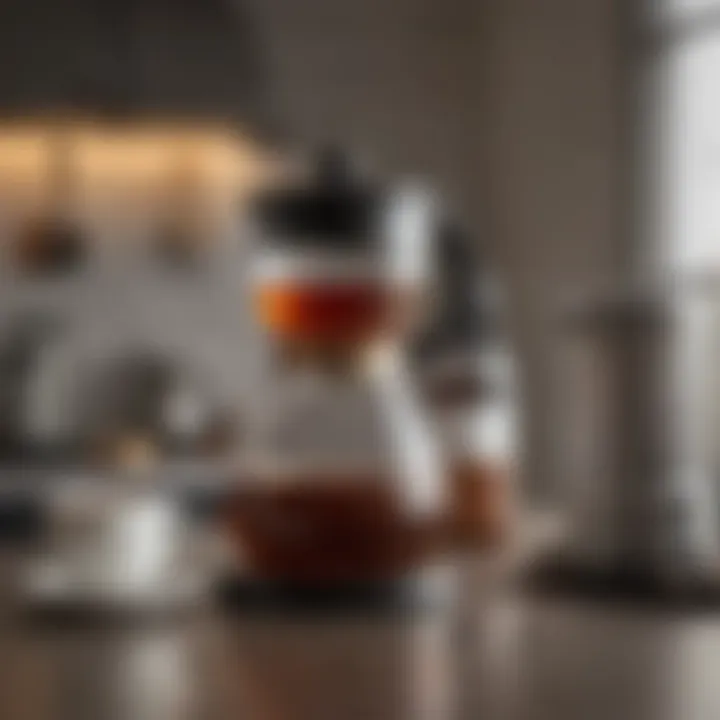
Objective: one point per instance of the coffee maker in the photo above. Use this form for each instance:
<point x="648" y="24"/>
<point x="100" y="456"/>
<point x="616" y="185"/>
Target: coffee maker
<point x="341" y="489"/>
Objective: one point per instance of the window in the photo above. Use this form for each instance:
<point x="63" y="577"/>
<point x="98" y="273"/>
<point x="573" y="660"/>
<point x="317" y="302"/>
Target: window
<point x="688" y="33"/>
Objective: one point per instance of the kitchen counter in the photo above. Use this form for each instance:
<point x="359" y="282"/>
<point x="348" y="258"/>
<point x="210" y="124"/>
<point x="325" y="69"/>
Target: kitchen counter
<point x="490" y="654"/>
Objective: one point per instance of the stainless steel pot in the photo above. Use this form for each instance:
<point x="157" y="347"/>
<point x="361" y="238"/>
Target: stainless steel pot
<point x="639" y="476"/>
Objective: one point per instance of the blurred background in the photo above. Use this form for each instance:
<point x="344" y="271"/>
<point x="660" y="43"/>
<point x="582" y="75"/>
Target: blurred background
<point x="348" y="349"/>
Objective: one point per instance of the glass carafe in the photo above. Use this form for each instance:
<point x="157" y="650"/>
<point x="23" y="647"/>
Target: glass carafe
<point x="342" y="484"/>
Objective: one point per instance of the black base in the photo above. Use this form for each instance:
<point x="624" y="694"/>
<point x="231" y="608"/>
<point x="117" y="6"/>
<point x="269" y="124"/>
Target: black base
<point x="562" y="577"/>
<point x="21" y="520"/>
<point x="242" y="594"/>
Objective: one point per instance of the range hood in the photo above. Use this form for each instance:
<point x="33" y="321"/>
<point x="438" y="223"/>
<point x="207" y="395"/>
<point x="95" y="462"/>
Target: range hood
<point x="130" y="59"/>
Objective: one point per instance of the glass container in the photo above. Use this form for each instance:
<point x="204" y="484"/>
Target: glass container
<point x="53" y="241"/>
<point x="342" y="482"/>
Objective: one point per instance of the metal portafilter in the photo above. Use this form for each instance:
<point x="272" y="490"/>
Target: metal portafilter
<point x="23" y="340"/>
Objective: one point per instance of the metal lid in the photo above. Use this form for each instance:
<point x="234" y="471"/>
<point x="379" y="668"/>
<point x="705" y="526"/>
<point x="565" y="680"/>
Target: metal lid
<point x="337" y="209"/>
<point x="623" y="310"/>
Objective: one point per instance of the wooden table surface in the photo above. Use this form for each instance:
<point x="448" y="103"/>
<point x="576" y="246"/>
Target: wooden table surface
<point x="491" y="654"/>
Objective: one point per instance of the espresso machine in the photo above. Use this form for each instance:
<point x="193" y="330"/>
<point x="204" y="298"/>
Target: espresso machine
<point x="83" y="117"/>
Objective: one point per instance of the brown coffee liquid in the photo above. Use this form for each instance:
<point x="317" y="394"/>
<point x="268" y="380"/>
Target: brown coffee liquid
<point x="349" y="312"/>
<point x="481" y="502"/>
<point x="326" y="530"/>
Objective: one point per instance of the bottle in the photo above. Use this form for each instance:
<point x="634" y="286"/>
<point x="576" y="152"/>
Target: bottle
<point x="343" y="484"/>
<point x="53" y="242"/>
